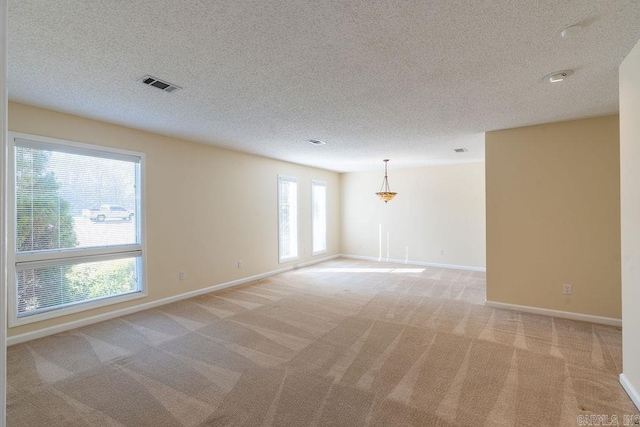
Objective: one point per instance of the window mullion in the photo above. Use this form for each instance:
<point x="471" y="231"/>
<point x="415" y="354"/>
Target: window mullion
<point x="71" y="254"/>
<point x="42" y="263"/>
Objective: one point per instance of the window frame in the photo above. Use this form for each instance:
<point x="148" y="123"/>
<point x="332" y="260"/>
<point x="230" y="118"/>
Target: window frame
<point x="281" y="259"/>
<point x="319" y="183"/>
<point x="39" y="259"/>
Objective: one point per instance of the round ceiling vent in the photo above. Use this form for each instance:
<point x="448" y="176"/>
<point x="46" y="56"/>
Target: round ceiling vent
<point x="557" y="76"/>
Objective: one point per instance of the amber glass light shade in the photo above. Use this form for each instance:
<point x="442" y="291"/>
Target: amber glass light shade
<point x="385" y="196"/>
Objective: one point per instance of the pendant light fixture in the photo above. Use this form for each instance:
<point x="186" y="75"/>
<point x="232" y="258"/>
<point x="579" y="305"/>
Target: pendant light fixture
<point x="385" y="192"/>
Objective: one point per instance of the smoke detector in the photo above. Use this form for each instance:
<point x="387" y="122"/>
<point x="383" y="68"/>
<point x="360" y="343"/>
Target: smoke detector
<point x="160" y="84"/>
<point x="557" y="76"/>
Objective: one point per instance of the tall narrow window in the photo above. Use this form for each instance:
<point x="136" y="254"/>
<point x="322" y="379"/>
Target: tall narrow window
<point x="319" y="216"/>
<point x="77" y="227"/>
<point x="287" y="218"/>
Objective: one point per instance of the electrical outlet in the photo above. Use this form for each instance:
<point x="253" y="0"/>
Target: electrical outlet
<point x="566" y="289"/>
<point x="182" y="275"/>
<point x="441" y="251"/>
<point x="239" y="264"/>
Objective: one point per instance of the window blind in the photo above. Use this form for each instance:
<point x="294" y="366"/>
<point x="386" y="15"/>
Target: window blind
<point x="319" y="216"/>
<point x="77" y="225"/>
<point x="287" y="218"/>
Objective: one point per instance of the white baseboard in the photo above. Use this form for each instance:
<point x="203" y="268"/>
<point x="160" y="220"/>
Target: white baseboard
<point x="28" y="336"/>
<point x="555" y="313"/>
<point x="631" y="390"/>
<point x="426" y="264"/>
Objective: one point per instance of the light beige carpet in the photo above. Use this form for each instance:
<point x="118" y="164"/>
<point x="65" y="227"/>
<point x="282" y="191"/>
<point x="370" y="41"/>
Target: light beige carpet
<point x="341" y="343"/>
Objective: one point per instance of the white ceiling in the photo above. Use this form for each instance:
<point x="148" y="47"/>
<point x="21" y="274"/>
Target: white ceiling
<point x="405" y="80"/>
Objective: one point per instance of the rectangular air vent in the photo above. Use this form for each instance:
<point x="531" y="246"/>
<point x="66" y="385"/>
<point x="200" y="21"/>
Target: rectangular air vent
<point x="162" y="85"/>
<point x="460" y="150"/>
<point x="316" y="142"/>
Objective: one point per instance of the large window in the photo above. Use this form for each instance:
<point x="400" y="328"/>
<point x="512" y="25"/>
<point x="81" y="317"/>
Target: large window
<point x="319" y="216"/>
<point x="287" y="218"/>
<point x="77" y="227"/>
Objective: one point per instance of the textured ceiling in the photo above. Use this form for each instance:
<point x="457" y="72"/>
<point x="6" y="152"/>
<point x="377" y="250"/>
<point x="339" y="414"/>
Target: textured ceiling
<point x="405" y="80"/>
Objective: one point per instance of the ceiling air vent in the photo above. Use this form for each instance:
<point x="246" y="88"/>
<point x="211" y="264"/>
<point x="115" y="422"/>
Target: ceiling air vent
<point x="460" y="150"/>
<point x="316" y="142"/>
<point x="162" y="85"/>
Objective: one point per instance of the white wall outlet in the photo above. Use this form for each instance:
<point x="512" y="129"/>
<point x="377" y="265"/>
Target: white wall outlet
<point x="566" y="289"/>
<point x="239" y="264"/>
<point x="182" y="275"/>
<point x="441" y="251"/>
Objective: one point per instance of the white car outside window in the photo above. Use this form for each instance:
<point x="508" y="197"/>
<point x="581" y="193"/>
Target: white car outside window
<point x="107" y="212"/>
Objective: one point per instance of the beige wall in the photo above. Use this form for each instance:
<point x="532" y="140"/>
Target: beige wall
<point x="437" y="208"/>
<point x="206" y="208"/>
<point x="630" y="214"/>
<point x="553" y="216"/>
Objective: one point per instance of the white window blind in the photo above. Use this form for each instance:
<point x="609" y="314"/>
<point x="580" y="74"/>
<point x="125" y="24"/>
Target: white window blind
<point x="77" y="228"/>
<point x="287" y="218"/>
<point x="319" y="216"/>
